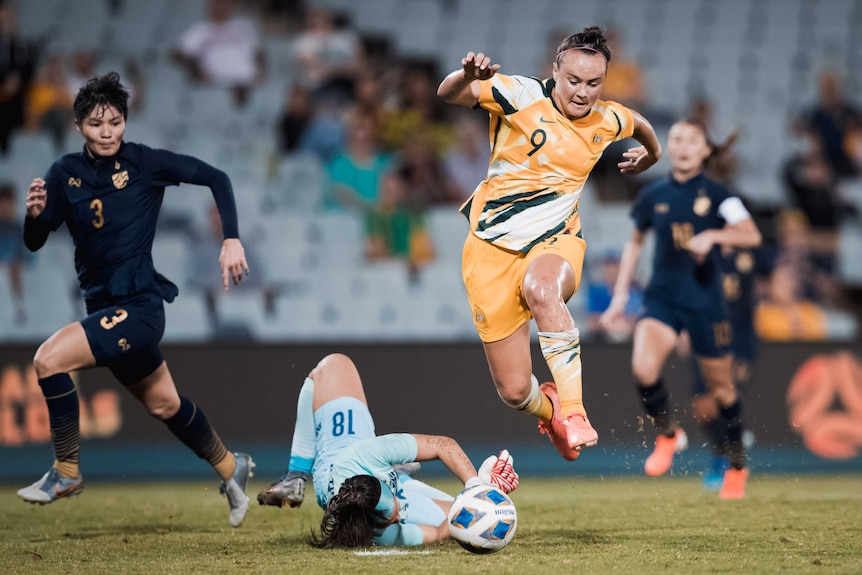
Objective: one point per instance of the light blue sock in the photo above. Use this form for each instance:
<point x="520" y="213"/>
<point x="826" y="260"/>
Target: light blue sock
<point x="302" y="447"/>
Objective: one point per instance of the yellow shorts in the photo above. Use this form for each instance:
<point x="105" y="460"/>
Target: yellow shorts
<point x="494" y="279"/>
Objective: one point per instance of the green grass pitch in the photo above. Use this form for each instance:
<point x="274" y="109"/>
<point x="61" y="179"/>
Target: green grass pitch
<point x="788" y="524"/>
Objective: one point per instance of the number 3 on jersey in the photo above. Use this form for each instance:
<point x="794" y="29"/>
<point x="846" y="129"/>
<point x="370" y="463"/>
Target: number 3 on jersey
<point x="338" y="423"/>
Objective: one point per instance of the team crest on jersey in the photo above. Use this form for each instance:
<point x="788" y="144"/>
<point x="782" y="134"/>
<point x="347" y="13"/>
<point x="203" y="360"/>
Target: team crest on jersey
<point x="702" y="203"/>
<point x="480" y="317"/>
<point x="744" y="262"/>
<point x="662" y="208"/>
<point x="120" y="179"/>
<point x="597" y="138"/>
<point x="74" y="182"/>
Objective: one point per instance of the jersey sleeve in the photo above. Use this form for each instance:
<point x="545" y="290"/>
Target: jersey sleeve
<point x="55" y="205"/>
<point x="503" y="95"/>
<point x="386" y="450"/>
<point x="641" y="212"/>
<point x="167" y="168"/>
<point x="625" y="120"/>
<point x="400" y="534"/>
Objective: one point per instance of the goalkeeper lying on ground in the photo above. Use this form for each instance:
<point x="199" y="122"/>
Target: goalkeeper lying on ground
<point x="360" y="478"/>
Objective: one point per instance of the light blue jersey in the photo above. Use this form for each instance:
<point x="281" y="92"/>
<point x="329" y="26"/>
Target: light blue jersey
<point x="346" y="447"/>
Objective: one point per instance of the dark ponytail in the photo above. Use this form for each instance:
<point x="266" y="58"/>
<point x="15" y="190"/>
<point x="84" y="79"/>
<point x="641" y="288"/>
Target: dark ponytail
<point x="350" y="518"/>
<point x="592" y="40"/>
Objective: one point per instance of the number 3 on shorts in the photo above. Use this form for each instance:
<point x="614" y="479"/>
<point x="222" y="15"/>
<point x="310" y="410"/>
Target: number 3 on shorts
<point x="118" y="317"/>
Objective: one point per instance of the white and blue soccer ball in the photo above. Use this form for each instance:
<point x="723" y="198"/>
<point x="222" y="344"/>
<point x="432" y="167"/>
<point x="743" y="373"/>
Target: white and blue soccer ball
<point x="482" y="519"/>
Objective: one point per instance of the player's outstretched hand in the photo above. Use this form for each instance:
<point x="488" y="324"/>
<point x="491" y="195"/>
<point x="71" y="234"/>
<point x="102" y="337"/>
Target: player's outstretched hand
<point x="637" y="160"/>
<point x="499" y="471"/>
<point x="37" y="197"/>
<point x="478" y="66"/>
<point x="700" y="245"/>
<point x="232" y="262"/>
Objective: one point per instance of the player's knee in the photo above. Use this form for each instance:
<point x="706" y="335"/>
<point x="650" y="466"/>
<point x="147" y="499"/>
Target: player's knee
<point x="162" y="408"/>
<point x="512" y="396"/>
<point x="645" y="372"/>
<point x="541" y="296"/>
<point x="333" y="362"/>
<point x="43" y="361"/>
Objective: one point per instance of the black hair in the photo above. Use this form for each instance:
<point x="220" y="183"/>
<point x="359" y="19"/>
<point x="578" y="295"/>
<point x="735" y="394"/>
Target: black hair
<point x="101" y="91"/>
<point x="351" y="517"/>
<point x="591" y="39"/>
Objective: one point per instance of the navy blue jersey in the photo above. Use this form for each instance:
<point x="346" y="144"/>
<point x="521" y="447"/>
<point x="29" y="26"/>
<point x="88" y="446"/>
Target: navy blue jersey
<point x="110" y="206"/>
<point x="739" y="271"/>
<point x="677" y="212"/>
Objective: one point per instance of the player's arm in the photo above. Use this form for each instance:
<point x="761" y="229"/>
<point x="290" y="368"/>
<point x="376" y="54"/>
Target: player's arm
<point x="648" y="153"/>
<point x="631" y="254"/>
<point x="739" y="230"/>
<point x="496" y="470"/>
<point x="462" y="86"/>
<point x="169" y="168"/>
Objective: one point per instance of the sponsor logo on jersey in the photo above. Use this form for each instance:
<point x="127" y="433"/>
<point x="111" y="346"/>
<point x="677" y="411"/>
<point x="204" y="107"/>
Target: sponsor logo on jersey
<point x="124" y="344"/>
<point x="120" y="179"/>
<point x="74" y="182"/>
<point x="662" y="208"/>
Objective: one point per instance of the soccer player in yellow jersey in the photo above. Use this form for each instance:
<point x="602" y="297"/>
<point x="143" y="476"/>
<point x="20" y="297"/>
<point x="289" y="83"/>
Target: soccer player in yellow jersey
<point x="524" y="254"/>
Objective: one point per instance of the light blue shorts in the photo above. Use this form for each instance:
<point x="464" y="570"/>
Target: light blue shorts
<point x="337" y="424"/>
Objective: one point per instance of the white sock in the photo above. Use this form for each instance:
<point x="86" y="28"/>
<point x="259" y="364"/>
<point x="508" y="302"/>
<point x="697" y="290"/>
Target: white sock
<point x="302" y="447"/>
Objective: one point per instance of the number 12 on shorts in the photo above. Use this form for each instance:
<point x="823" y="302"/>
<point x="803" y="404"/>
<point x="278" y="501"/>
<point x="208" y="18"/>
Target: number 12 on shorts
<point x="338" y="423"/>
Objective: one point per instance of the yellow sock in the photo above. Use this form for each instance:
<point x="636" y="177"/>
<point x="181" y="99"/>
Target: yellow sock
<point x="68" y="469"/>
<point x="562" y="351"/>
<point x="226" y="467"/>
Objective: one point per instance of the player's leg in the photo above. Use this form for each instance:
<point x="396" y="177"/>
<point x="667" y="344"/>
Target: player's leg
<point x="653" y="342"/>
<point x="334" y="371"/>
<point x="65" y="351"/>
<point x="188" y="422"/>
<point x="718" y="375"/>
<point x="549" y="282"/>
<point x="705" y="413"/>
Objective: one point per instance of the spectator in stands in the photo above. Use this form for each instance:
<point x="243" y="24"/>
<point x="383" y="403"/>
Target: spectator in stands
<point x="203" y="256"/>
<point x="785" y="314"/>
<point x="328" y="56"/>
<point x="12" y="254"/>
<point x="223" y="51"/>
<point x="812" y="185"/>
<point x="423" y="172"/>
<point x="796" y="249"/>
<point x="356" y="173"/>
<point x="295" y="118"/>
<point x="418" y="110"/>
<point x="395" y="227"/>
<point x="49" y="103"/>
<point x="599" y="295"/>
<point x="17" y="63"/>
<point x="466" y="161"/>
<point x="833" y="119"/>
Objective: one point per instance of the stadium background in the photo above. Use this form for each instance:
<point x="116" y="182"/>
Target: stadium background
<point x="244" y="356"/>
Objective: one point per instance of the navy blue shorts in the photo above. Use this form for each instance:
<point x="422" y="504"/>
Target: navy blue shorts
<point x="125" y="336"/>
<point x="709" y="328"/>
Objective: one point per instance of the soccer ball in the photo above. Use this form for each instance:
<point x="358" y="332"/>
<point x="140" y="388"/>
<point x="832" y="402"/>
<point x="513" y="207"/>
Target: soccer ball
<point x="482" y="519"/>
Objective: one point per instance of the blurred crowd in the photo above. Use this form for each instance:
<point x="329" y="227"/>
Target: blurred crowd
<point x="391" y="150"/>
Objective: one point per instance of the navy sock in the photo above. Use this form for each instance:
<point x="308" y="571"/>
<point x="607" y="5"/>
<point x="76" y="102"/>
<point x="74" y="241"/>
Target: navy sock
<point x="192" y="427"/>
<point x="732" y="419"/>
<point x="64" y="417"/>
<point x="655" y="402"/>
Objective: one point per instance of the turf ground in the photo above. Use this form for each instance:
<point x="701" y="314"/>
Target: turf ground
<point x="788" y="524"/>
